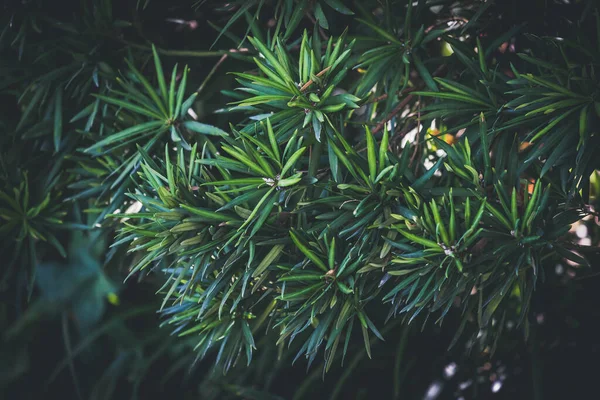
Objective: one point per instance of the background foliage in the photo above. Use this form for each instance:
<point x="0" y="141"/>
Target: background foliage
<point x="320" y="198"/>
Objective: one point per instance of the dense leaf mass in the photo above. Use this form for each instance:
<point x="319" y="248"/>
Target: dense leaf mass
<point x="375" y="163"/>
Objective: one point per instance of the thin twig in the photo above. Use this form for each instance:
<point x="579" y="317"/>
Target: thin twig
<point x="405" y="102"/>
<point x="67" y="341"/>
<point x="321" y="31"/>
<point x="394" y="141"/>
<point x="379" y="98"/>
<point x="414" y="154"/>
<point x="310" y="81"/>
<point x="212" y="72"/>
<point x="181" y="53"/>
<point x="395" y="111"/>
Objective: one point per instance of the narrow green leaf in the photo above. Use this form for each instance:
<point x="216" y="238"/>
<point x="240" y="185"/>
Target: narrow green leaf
<point x="513" y="206"/>
<point x="271" y="257"/>
<point x="294" y="20"/>
<point x="320" y="16"/>
<point x="160" y="75"/>
<point x="439" y="223"/>
<point x="331" y="258"/>
<point x="424" y="73"/>
<point x="317" y="127"/>
<point x="583" y="122"/>
<point x="338" y="6"/>
<point x="371" y="158"/>
<point x="468" y="211"/>
<point x="383" y="148"/>
<point x="365" y="333"/>
<point x="127" y="134"/>
<point x="149" y="89"/>
<point x="205" y="129"/>
<point x="306" y="292"/>
<point x="572" y="256"/>
<point x="238" y="181"/>
<point x="172" y="92"/>
<point x="206" y="214"/>
<point x="261" y="99"/>
<point x="267" y="199"/>
<point x="485" y="149"/>
<point x="252" y="165"/>
<point x="58" y="118"/>
<point x="179" y="109"/>
<point x="420" y="240"/>
<point x="300" y="277"/>
<point x="460" y="89"/>
<point x="550" y="85"/>
<point x="453" y="96"/>
<point x="499" y="216"/>
<point x="270" y="57"/>
<point x="384" y="34"/>
<point x="481" y="56"/>
<point x="452" y="227"/>
<point x="532" y="200"/>
<point x="273" y="140"/>
<point x="292" y="161"/>
<point x="551" y="125"/>
<point x="307" y="252"/>
<point x="419" y="183"/>
<point x="130" y="107"/>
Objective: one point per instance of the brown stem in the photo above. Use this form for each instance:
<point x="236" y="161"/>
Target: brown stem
<point x="405" y="101"/>
<point x="310" y="81"/>
<point x="321" y="31"/>
<point x="379" y="98"/>
<point x="395" y="111"/>
<point x="211" y="73"/>
<point x="414" y="154"/>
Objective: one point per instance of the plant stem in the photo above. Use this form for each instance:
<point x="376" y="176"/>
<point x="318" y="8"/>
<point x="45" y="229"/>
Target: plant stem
<point x="399" y="357"/>
<point x="69" y="350"/>
<point x="211" y="73"/>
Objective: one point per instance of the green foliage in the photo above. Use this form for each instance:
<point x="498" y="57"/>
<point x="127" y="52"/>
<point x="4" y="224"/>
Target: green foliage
<point x="26" y="220"/>
<point x="301" y="95"/>
<point x="404" y="162"/>
<point x="542" y="106"/>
